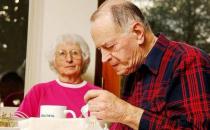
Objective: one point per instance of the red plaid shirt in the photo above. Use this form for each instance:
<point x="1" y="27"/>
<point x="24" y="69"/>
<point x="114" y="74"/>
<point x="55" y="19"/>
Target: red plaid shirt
<point x="173" y="88"/>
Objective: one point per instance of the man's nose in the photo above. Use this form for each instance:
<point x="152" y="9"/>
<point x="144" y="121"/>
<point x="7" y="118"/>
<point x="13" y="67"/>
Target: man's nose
<point x="106" y="55"/>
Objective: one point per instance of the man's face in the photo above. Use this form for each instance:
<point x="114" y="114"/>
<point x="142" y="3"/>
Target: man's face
<point x="118" y="48"/>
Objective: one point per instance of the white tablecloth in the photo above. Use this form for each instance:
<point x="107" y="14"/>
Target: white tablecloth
<point x="58" y="124"/>
<point x="9" y="128"/>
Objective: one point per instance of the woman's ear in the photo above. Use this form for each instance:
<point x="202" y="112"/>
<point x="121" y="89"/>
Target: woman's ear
<point x="138" y="30"/>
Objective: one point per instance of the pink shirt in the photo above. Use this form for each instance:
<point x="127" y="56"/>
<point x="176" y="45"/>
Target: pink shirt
<point x="54" y="93"/>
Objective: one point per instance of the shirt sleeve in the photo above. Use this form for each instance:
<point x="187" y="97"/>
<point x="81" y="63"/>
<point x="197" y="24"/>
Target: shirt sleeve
<point x="29" y="106"/>
<point x="192" y="75"/>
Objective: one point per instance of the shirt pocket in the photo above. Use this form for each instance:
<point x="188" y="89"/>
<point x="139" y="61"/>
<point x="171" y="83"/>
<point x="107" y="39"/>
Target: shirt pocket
<point x="154" y="96"/>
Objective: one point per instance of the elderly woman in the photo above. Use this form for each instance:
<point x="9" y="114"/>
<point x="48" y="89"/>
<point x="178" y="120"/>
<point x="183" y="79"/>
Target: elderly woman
<point x="70" y="59"/>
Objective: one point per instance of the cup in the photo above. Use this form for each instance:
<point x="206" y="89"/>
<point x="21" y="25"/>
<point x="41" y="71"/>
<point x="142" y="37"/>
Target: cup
<point x="55" y="111"/>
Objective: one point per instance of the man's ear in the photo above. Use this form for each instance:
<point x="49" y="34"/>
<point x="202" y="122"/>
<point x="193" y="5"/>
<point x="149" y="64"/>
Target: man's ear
<point x="138" y="30"/>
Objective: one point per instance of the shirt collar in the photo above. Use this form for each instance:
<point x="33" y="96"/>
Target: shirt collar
<point x="155" y="56"/>
<point x="68" y="85"/>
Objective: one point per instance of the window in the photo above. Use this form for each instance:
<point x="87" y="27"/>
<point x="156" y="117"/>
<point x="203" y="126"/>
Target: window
<point x="13" y="43"/>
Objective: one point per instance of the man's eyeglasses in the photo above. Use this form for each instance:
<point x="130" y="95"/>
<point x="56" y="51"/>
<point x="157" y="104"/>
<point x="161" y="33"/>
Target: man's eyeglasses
<point x="75" y="54"/>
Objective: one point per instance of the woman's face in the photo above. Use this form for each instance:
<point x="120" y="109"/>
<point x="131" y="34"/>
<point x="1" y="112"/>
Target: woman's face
<point x="68" y="60"/>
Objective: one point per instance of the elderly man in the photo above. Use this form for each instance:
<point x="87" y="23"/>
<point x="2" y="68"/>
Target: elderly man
<point x="167" y="83"/>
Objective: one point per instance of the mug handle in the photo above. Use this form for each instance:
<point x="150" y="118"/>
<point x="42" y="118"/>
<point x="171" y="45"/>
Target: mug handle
<point x="71" y="112"/>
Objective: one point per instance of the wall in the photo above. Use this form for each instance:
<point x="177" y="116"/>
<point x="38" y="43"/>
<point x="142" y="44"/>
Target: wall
<point x="47" y="19"/>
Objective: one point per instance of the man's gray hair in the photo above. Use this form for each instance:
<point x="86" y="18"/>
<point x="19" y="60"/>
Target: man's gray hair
<point x="71" y="39"/>
<point x="123" y="13"/>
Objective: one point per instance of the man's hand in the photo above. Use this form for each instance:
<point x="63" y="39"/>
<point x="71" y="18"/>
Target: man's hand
<point x="106" y="106"/>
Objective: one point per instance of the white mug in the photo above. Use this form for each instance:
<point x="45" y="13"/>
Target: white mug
<point x="55" y="111"/>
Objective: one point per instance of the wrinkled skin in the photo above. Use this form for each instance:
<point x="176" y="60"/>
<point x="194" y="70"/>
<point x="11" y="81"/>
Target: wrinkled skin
<point x="68" y="68"/>
<point x="124" y="51"/>
<point x="106" y="106"/>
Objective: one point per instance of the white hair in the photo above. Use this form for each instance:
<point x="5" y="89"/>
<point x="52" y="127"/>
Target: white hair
<point x="71" y="39"/>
